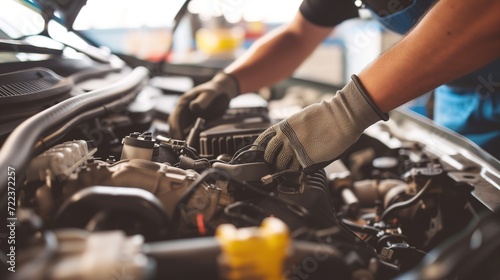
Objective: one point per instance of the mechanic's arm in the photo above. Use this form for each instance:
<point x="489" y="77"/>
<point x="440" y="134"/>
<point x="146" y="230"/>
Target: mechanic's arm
<point x="453" y="39"/>
<point x="270" y="59"/>
<point x="276" y="55"/>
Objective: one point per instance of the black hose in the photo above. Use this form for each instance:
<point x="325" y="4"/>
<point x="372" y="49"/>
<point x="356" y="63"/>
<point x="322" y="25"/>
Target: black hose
<point x="318" y="178"/>
<point x="55" y="136"/>
<point x="95" y="72"/>
<point x="191" y="151"/>
<point x="361" y="228"/>
<point x="242" y="150"/>
<point x="193" y="258"/>
<point x="407" y="203"/>
<point x="82" y="208"/>
<point x="231" y="211"/>
<point x="244" y="153"/>
<point x="295" y="208"/>
<point x="17" y="150"/>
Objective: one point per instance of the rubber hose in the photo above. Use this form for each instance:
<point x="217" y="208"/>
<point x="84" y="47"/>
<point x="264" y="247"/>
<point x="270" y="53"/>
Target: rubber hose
<point x="17" y="150"/>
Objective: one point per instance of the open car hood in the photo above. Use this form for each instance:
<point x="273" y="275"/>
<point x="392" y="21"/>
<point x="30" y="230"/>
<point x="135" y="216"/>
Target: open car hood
<point x="67" y="10"/>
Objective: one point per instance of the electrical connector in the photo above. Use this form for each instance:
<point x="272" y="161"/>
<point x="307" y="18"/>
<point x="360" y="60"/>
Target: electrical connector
<point x="268" y="179"/>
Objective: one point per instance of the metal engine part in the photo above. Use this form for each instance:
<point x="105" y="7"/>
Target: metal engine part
<point x="238" y="128"/>
<point x="169" y="184"/>
<point x="138" y="146"/>
<point x="59" y="161"/>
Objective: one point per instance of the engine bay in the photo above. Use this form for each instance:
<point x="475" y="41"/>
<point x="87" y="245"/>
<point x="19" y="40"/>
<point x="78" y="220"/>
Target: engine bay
<point x="102" y="191"/>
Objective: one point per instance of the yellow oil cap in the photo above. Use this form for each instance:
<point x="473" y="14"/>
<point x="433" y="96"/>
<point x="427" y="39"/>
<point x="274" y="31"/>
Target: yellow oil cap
<point x="255" y="252"/>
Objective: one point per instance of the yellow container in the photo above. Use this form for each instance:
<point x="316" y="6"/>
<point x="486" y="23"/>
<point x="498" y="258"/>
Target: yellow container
<point x="223" y="41"/>
<point x="254" y="253"/>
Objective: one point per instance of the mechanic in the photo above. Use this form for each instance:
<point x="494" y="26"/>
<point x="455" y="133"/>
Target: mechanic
<point x="453" y="39"/>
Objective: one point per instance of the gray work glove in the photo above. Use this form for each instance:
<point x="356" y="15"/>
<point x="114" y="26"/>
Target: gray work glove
<point x="209" y="100"/>
<point x="312" y="138"/>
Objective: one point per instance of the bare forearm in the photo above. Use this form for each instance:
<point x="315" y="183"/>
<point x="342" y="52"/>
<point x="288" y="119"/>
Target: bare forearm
<point x="453" y="39"/>
<point x="270" y="59"/>
<point x="276" y="55"/>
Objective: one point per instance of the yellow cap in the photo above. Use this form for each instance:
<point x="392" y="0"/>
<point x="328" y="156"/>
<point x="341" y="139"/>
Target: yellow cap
<point x="255" y="252"/>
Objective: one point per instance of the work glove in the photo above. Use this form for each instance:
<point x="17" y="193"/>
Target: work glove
<point x="208" y="101"/>
<point x="312" y="138"/>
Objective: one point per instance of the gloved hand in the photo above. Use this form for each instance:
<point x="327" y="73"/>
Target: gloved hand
<point x="208" y="101"/>
<point x="312" y="138"/>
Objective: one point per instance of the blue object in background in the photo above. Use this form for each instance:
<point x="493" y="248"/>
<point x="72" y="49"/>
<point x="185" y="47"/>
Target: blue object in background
<point x="472" y="114"/>
<point x="404" y="20"/>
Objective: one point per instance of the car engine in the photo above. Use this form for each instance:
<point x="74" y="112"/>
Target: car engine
<point x="94" y="187"/>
